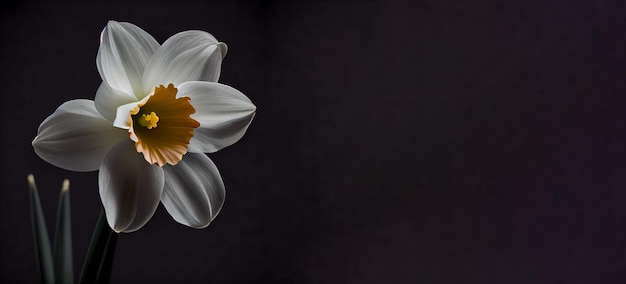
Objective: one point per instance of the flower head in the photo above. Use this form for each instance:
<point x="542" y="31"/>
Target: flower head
<point x="158" y="110"/>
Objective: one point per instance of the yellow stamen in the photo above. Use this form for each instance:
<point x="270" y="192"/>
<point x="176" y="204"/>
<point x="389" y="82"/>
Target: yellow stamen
<point x="149" y="120"/>
<point x="167" y="143"/>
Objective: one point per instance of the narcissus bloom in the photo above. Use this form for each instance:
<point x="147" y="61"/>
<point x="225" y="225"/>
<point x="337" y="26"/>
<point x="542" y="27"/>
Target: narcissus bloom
<point x="158" y="110"/>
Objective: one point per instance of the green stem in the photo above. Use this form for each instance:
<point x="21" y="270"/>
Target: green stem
<point x="62" y="251"/>
<point x="43" y="253"/>
<point x="97" y="267"/>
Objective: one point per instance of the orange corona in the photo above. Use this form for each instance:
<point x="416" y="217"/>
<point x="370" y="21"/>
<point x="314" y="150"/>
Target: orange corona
<point x="161" y="126"/>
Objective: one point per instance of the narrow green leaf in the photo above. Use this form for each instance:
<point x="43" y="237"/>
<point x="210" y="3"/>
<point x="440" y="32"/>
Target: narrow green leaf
<point x="63" y="267"/>
<point x="99" y="261"/>
<point x="43" y="255"/>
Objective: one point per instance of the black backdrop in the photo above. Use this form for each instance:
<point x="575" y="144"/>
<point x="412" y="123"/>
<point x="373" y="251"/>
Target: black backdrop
<point x="394" y="143"/>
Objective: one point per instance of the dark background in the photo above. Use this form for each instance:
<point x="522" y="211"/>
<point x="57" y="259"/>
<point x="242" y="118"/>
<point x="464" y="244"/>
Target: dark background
<point x="429" y="142"/>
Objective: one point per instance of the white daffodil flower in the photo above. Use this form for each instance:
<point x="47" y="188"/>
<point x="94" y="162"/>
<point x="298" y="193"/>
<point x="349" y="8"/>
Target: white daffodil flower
<point x="158" y="110"/>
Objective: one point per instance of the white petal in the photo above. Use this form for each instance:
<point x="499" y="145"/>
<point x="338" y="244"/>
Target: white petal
<point x="75" y="137"/>
<point x="224" y="114"/>
<point x="224" y="50"/>
<point x="130" y="188"/>
<point x="194" y="192"/>
<point x="186" y="56"/>
<point x="124" y="51"/>
<point x="122" y="118"/>
<point x="108" y="100"/>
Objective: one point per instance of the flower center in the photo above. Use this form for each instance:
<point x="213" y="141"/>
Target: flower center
<point x="149" y="120"/>
<point x="167" y="142"/>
